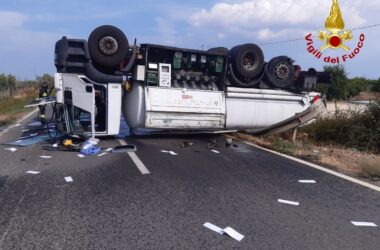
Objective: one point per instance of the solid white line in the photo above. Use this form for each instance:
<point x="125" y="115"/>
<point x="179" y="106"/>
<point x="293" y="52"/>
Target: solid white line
<point x="363" y="224"/>
<point x="294" y="203"/>
<point x="135" y="159"/>
<point x="18" y="122"/>
<point x="326" y="170"/>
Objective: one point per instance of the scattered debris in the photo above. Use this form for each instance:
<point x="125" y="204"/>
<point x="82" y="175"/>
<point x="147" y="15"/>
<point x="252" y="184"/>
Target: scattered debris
<point x="235" y="145"/>
<point x="215" y="151"/>
<point x="102" y="154"/>
<point x="55" y="145"/>
<point x="228" y="230"/>
<point x="213" y="228"/>
<point x="212" y="144"/>
<point x="32" y="172"/>
<point x="29" y="140"/>
<point x="25" y="130"/>
<point x="307" y="181"/>
<point x="108" y="150"/>
<point x="124" y="148"/>
<point x="34" y="124"/>
<point x="80" y="156"/>
<point x="18" y="125"/>
<point x="46" y="156"/>
<point x="228" y="142"/>
<point x="69" y="179"/>
<point x="363" y="224"/>
<point x="294" y="203"/>
<point x="11" y="149"/>
<point x="169" y="152"/>
<point x="233" y="233"/>
<point x="186" y="144"/>
<point x="89" y="149"/>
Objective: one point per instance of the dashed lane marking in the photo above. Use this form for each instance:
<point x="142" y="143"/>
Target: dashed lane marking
<point x="139" y="164"/>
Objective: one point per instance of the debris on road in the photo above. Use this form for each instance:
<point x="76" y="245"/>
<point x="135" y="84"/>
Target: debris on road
<point x="32" y="172"/>
<point x="69" y="179"/>
<point x="89" y="148"/>
<point x="124" y="148"/>
<point x="169" y="152"/>
<point x="215" y="151"/>
<point x="233" y="233"/>
<point x="228" y="230"/>
<point x="211" y="144"/>
<point x="228" y="142"/>
<point x="213" y="228"/>
<point x="46" y="156"/>
<point x="307" y="181"/>
<point x="11" y="149"/>
<point x="363" y="224"/>
<point x="108" y="150"/>
<point x="186" y="144"/>
<point x="104" y="153"/>
<point x="25" y="130"/>
<point x="294" y="203"/>
<point x="81" y="156"/>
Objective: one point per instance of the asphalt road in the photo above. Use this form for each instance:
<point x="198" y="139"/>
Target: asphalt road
<point x="112" y="205"/>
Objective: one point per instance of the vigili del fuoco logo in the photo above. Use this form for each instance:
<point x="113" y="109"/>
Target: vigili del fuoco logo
<point x="334" y="37"/>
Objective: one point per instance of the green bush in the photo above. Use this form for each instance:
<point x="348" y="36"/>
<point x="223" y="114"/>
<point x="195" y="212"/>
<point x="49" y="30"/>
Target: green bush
<point x="354" y="129"/>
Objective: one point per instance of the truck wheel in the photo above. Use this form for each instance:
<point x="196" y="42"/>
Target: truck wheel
<point x="248" y="60"/>
<point x="220" y="51"/>
<point x="280" y="72"/>
<point x="108" y="46"/>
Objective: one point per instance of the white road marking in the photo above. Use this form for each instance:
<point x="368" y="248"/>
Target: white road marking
<point x="18" y="122"/>
<point x="307" y="181"/>
<point x="143" y="169"/>
<point x="11" y="149"/>
<point x="363" y="224"/>
<point x="215" y="151"/>
<point x="69" y="179"/>
<point x="213" y="228"/>
<point x="326" y="170"/>
<point x="32" y="172"/>
<point x="294" y="203"/>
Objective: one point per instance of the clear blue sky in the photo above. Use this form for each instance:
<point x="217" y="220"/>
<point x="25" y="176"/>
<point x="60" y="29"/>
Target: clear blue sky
<point x="30" y="28"/>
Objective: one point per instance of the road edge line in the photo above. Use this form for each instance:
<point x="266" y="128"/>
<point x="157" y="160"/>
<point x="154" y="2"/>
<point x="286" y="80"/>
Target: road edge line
<point x="139" y="164"/>
<point x="315" y="166"/>
<point x="18" y="122"/>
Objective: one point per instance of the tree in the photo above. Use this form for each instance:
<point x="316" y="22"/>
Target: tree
<point x="338" y="89"/>
<point x="12" y="84"/>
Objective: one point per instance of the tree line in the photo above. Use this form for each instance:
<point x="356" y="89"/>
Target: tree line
<point x="10" y="86"/>
<point x="344" y="88"/>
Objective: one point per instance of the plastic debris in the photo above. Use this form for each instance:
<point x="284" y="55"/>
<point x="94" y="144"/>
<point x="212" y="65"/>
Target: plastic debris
<point x="307" y="181"/>
<point x="169" y="152"/>
<point x="228" y="142"/>
<point x="11" y="149"/>
<point x="363" y="224"/>
<point x="69" y="179"/>
<point x="228" y="230"/>
<point x="32" y="172"/>
<point x="46" y="156"/>
<point x="89" y="149"/>
<point x="215" y="151"/>
<point x="81" y="156"/>
<point x="294" y="203"/>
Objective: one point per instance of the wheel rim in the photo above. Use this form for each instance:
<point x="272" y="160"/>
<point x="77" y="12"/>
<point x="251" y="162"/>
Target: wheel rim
<point x="249" y="61"/>
<point x="282" y="71"/>
<point x="108" y="45"/>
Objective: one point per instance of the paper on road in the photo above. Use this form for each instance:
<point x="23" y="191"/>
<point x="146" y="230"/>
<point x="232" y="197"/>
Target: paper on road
<point x="69" y="179"/>
<point x="169" y="152"/>
<point x="363" y="224"/>
<point x="213" y="228"/>
<point x="32" y="172"/>
<point x="46" y="156"/>
<point x="81" y="156"/>
<point x="233" y="233"/>
<point x="294" y="203"/>
<point x="307" y="181"/>
<point x="215" y="151"/>
<point x="11" y="149"/>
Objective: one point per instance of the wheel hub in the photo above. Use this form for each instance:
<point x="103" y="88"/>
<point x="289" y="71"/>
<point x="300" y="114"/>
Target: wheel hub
<point x="249" y="61"/>
<point x="282" y="71"/>
<point x="108" y="45"/>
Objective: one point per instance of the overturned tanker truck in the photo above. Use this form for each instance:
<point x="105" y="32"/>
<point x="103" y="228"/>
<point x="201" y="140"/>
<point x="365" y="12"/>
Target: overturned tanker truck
<point x="174" y="89"/>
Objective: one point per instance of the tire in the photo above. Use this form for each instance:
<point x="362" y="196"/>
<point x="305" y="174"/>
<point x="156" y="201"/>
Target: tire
<point x="247" y="60"/>
<point x="220" y="51"/>
<point x="108" y="46"/>
<point x="280" y="72"/>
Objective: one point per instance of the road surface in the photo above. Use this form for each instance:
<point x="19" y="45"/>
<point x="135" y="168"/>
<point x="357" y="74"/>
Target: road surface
<point x="111" y="204"/>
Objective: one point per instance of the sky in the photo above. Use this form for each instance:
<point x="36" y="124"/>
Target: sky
<point x="30" y="28"/>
